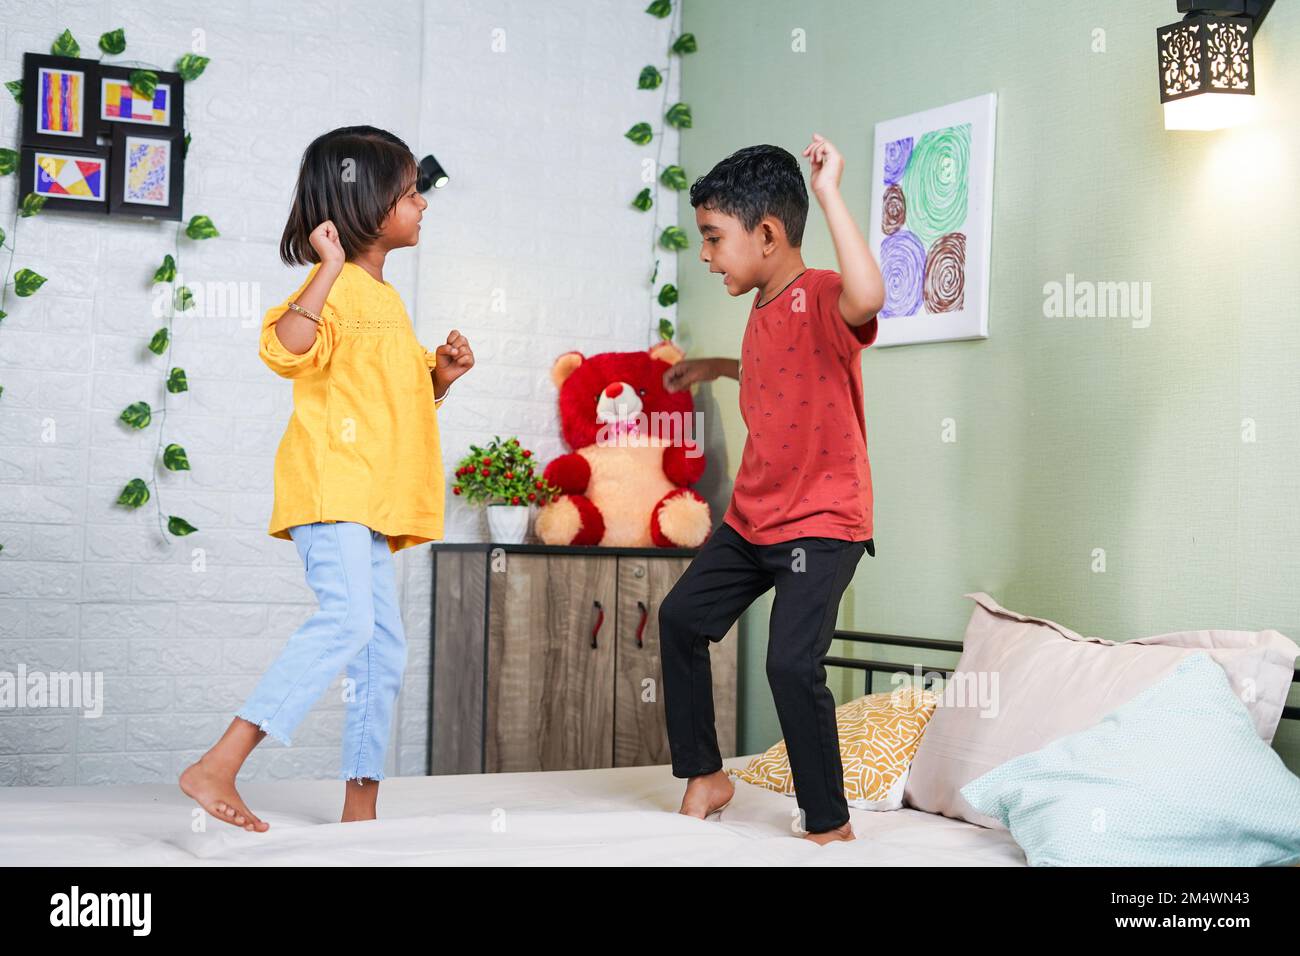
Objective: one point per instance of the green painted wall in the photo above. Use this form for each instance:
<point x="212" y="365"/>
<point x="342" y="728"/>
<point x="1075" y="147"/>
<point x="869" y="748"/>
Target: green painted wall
<point x="1072" y="434"/>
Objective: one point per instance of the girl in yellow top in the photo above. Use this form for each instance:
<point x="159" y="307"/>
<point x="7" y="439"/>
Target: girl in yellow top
<point x="358" y="474"/>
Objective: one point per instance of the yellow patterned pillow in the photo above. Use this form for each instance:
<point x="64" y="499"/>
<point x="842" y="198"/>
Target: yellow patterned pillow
<point x="879" y="735"/>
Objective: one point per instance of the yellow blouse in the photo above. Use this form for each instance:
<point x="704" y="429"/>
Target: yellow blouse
<point x="362" y="442"/>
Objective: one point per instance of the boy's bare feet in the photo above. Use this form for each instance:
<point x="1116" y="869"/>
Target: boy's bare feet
<point x="213" y="788"/>
<point x="360" y="797"/>
<point x="844" y="833"/>
<point x="707" y="794"/>
<point x="210" y="781"/>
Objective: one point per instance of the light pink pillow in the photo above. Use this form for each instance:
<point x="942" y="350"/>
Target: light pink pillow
<point x="1037" y="681"/>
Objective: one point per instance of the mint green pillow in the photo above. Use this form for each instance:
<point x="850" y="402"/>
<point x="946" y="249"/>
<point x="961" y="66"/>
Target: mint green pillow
<point x="1177" y="776"/>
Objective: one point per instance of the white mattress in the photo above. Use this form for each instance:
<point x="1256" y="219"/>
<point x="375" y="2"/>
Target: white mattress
<point x="603" y="817"/>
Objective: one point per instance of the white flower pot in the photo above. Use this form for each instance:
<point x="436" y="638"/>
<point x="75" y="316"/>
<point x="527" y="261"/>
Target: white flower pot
<point x="508" y="524"/>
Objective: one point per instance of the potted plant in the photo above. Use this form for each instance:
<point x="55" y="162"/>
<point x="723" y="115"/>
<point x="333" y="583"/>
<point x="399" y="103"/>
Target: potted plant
<point x="501" y="476"/>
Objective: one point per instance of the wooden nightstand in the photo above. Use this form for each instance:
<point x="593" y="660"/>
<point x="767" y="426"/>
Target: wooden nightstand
<point x="547" y="658"/>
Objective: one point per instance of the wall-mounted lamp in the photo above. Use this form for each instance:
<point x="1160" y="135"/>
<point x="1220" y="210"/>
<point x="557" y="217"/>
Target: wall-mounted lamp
<point x="431" y="175"/>
<point x="1207" y="63"/>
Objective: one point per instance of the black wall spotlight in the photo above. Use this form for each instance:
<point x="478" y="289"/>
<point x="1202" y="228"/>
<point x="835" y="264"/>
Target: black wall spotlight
<point x="432" y="175"/>
<point x="1207" y="63"/>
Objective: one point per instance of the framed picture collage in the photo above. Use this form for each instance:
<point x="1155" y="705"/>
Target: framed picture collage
<point x="92" y="143"/>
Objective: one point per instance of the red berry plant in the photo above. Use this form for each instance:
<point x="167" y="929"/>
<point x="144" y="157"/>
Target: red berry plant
<point x="501" y="473"/>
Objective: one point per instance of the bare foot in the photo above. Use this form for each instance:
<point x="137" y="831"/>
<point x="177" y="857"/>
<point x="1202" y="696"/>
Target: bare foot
<point x="707" y="794"/>
<point x="360" y="797"/>
<point x="212" y="786"/>
<point x="844" y="833"/>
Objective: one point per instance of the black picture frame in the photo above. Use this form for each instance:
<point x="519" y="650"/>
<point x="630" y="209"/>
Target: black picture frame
<point x="118" y="203"/>
<point x="175" y="107"/>
<point x="27" y="178"/>
<point x="31" y="134"/>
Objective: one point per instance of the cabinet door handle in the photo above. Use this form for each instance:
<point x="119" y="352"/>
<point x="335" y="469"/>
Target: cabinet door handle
<point x="645" y="613"/>
<point x="600" y="619"/>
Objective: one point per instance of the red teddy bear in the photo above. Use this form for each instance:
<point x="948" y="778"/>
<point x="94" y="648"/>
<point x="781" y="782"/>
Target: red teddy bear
<point x="627" y="481"/>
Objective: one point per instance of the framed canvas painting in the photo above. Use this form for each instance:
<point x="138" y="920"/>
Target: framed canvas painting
<point x="148" y="173"/>
<point x="932" y="221"/>
<point x="121" y="105"/>
<point x="60" y="102"/>
<point x="73" y="181"/>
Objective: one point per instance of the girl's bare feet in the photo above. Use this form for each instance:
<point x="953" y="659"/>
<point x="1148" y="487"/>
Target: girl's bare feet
<point x="360" y="797"/>
<point x="210" y="781"/>
<point x="707" y="794"/>
<point x="844" y="833"/>
<point x="213" y="788"/>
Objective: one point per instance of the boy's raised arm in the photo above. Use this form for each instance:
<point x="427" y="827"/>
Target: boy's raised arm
<point x="863" y="294"/>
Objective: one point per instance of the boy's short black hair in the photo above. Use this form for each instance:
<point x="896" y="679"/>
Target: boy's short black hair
<point x="354" y="176"/>
<point x="754" y="182"/>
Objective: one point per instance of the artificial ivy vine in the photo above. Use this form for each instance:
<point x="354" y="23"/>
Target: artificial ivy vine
<point x="671" y="237"/>
<point x="137" y="415"/>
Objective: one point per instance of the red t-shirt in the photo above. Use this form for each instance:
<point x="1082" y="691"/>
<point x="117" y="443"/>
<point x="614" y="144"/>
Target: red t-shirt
<point x="804" y="471"/>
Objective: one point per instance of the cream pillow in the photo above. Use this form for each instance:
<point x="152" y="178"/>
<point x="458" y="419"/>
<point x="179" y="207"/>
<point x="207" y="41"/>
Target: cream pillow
<point x="878" y="734"/>
<point x="1023" y="682"/>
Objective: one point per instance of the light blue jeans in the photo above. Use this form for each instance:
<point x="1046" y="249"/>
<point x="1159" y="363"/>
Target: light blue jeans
<point x="357" y="625"/>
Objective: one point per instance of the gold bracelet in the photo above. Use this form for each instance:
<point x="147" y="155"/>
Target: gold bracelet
<point x="307" y="312"/>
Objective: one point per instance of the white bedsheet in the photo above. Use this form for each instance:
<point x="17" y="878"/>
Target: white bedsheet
<point x="599" y="817"/>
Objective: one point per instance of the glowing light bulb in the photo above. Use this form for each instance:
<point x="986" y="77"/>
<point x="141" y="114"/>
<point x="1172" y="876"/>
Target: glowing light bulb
<point x="1208" y="111"/>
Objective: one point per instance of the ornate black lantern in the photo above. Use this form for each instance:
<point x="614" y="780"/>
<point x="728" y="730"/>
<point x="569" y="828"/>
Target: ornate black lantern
<point x="1207" y="63"/>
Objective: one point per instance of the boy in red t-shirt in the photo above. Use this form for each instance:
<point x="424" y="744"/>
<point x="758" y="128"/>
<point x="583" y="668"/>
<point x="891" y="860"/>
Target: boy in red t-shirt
<point x="800" y="513"/>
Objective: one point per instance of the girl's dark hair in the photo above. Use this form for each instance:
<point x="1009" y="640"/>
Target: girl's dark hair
<point x="754" y="182"/>
<point x="354" y="176"/>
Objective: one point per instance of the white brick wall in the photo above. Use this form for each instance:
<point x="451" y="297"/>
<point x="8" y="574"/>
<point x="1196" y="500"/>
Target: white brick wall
<point x="537" y="208"/>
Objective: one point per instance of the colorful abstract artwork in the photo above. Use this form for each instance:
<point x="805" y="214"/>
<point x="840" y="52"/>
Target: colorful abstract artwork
<point x="146" y="171"/>
<point x="931" y="222"/>
<point x="70" y="177"/>
<point x="60" y="102"/>
<point x="119" y="102"/>
<point x="91" y="145"/>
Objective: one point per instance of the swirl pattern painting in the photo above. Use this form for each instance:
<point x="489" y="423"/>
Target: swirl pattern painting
<point x="945" y="274"/>
<point x="931" y="226"/>
<point x="895" y="216"/>
<point x="902" y="266"/>
<point x="936" y="182"/>
<point x="897" y="154"/>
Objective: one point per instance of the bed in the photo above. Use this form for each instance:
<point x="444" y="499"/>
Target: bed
<point x="623" y="816"/>
<point x="620" y="816"/>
